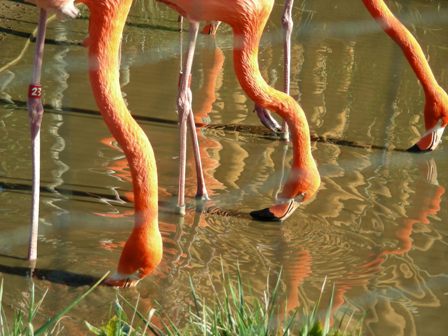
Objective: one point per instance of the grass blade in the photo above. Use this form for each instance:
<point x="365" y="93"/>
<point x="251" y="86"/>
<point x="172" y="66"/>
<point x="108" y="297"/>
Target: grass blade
<point x="64" y="311"/>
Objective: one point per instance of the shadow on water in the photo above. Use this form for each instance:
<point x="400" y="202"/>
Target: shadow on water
<point x="55" y="276"/>
<point x="252" y="130"/>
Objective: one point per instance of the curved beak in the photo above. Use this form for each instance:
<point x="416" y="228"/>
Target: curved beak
<point x="267" y="120"/>
<point x="430" y="140"/>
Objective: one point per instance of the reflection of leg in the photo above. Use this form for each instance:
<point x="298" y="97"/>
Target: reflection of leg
<point x="6" y="78"/>
<point x="184" y="109"/>
<point x="283" y="170"/>
<point x="35" y="110"/>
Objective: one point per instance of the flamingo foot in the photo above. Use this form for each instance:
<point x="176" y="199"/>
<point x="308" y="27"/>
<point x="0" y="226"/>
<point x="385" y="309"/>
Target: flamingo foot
<point x="202" y="197"/>
<point x="201" y="201"/>
<point x="122" y="280"/>
<point x="181" y="210"/>
<point x="278" y="212"/>
<point x="430" y="140"/>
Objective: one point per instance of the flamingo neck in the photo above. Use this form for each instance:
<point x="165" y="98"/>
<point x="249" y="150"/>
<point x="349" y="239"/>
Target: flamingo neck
<point x="407" y="42"/>
<point x="245" y="55"/>
<point x="105" y="30"/>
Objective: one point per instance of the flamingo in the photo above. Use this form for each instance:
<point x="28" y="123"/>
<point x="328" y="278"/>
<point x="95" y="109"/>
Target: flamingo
<point x="287" y="24"/>
<point x="436" y="102"/>
<point x="436" y="99"/>
<point x="143" y="249"/>
<point x="247" y="19"/>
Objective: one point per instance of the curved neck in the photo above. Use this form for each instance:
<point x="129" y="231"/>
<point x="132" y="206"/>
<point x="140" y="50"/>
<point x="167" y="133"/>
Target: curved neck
<point x="407" y="42"/>
<point x="107" y="19"/>
<point x="245" y="55"/>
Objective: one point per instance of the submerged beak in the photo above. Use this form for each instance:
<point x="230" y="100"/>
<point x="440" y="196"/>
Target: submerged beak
<point x="280" y="211"/>
<point x="430" y="140"/>
<point x="119" y="280"/>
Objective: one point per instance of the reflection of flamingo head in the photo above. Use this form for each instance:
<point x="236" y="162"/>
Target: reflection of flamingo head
<point x="61" y="7"/>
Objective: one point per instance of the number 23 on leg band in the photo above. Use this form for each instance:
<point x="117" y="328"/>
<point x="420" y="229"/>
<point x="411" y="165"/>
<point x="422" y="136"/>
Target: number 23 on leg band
<point x="34" y="91"/>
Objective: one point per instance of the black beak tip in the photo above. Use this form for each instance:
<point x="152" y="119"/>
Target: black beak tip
<point x="264" y="215"/>
<point x="416" y="149"/>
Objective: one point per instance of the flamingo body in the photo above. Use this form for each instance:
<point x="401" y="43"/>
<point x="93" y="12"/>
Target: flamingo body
<point x="143" y="249"/>
<point x="247" y="19"/>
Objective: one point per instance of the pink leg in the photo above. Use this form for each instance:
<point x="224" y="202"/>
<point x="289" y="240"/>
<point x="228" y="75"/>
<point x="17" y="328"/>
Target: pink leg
<point x="436" y="105"/>
<point x="201" y="192"/>
<point x="184" y="104"/>
<point x="36" y="110"/>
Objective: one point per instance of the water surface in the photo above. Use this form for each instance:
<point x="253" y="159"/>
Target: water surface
<point x="375" y="229"/>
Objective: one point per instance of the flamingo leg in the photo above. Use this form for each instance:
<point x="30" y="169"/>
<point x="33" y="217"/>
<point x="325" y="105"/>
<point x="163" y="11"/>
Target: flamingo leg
<point x="36" y="111"/>
<point x="184" y="107"/>
<point x="287" y="24"/>
<point x="201" y="192"/>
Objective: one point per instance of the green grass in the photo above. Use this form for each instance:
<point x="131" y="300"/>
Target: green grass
<point x="236" y="310"/>
<point x="23" y="323"/>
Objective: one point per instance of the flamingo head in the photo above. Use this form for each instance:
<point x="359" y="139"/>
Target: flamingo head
<point x="430" y="140"/>
<point x="141" y="254"/>
<point x="436" y="119"/>
<point x="123" y="280"/>
<point x="279" y="212"/>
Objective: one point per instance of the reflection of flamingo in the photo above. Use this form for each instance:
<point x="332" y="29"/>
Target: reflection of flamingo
<point x="297" y="257"/>
<point x="143" y="250"/>
<point x="421" y="212"/>
<point x="213" y="61"/>
<point x="248" y="18"/>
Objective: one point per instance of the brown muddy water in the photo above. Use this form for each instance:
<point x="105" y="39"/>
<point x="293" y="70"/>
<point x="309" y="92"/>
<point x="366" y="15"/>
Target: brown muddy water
<point x="376" y="228"/>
